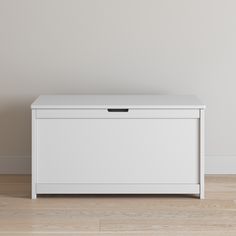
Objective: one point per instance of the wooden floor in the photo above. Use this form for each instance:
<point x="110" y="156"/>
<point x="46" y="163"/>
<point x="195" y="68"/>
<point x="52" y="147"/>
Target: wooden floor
<point x="118" y="215"/>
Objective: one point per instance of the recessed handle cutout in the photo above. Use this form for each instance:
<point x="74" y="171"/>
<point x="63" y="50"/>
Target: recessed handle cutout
<point x="117" y="110"/>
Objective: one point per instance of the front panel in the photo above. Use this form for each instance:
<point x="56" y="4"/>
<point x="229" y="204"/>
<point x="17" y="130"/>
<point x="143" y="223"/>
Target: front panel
<point x="118" y="151"/>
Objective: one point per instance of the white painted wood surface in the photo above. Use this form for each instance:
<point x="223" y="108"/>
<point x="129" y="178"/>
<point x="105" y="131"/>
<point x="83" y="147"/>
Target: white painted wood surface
<point x="148" y="188"/>
<point x="103" y="113"/>
<point x="120" y="101"/>
<point x="34" y="154"/>
<point x="202" y="152"/>
<point x="159" y="145"/>
<point x="118" y="151"/>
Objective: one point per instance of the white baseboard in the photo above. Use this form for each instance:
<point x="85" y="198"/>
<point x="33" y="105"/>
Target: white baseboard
<point x="220" y="165"/>
<point x="15" y="164"/>
<point x="22" y="164"/>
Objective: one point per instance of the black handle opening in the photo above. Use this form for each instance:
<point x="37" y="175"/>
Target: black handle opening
<point x="117" y="110"/>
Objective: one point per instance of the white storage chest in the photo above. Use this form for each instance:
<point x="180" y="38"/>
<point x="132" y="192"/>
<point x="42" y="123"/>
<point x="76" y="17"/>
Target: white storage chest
<point x="115" y="144"/>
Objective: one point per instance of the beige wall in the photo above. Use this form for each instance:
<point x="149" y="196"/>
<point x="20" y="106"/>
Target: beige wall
<point x="117" y="46"/>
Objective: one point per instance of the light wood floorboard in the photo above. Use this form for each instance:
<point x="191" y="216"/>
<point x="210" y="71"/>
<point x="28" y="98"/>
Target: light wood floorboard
<point x="141" y="215"/>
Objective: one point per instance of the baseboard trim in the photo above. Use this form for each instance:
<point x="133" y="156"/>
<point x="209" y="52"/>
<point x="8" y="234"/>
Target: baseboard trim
<point x="22" y="165"/>
<point x="220" y="165"/>
<point x="15" y="164"/>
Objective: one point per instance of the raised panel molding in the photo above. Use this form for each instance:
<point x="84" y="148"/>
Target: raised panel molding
<point x="22" y="164"/>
